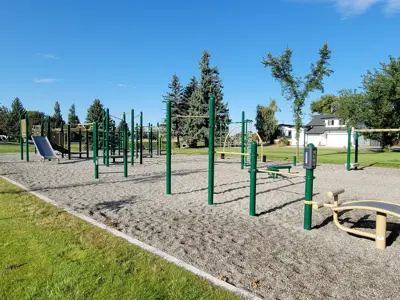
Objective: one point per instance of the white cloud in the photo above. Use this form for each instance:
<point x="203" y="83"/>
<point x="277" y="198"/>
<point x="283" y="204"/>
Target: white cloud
<point x="392" y="6"/>
<point x="44" y="80"/>
<point x="47" y="56"/>
<point x="349" y="8"/>
<point x="121" y="85"/>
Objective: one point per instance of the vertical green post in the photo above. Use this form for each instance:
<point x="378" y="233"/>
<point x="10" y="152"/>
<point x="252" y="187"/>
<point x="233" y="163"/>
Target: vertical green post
<point x="132" y="146"/>
<point x="308" y="196"/>
<point x="107" y="137"/>
<point x="294" y="161"/>
<point x="21" y="138"/>
<point x="27" y="135"/>
<point x="80" y="143"/>
<point x="242" y="141"/>
<point x="211" y="151"/>
<point x="137" y="140"/>
<point x="253" y="178"/>
<point x="125" y="126"/>
<point x="141" y="138"/>
<point x="356" y="148"/>
<point x="103" y="136"/>
<point x="69" y="140"/>
<point x="158" y="138"/>
<point x="87" y="143"/>
<point x="168" y="158"/>
<point x="149" y="138"/>
<point x="49" y="128"/>
<point x="348" y="149"/>
<point x="95" y="160"/>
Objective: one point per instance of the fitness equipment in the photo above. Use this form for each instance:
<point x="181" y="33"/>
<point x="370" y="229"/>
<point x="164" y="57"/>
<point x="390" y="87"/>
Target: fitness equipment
<point x="382" y="209"/>
<point x="355" y="164"/>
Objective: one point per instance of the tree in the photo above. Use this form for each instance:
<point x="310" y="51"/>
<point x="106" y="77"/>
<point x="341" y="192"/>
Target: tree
<point x="73" y="119"/>
<point x="266" y="123"/>
<point x="57" y="117"/>
<point x="378" y="107"/>
<point x="210" y="85"/>
<point x="12" y="124"/>
<point x="95" y="112"/>
<point x="295" y="88"/>
<point x="325" y="105"/>
<point x="4" y="113"/>
<point x="186" y="96"/>
<point x="178" y="107"/>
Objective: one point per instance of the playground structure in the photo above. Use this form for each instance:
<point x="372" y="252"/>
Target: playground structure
<point x="381" y="208"/>
<point x="243" y="140"/>
<point x="60" y="139"/>
<point x="355" y="164"/>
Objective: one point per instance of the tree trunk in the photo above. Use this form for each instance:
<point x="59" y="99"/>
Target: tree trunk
<point x="298" y="146"/>
<point x="178" y="141"/>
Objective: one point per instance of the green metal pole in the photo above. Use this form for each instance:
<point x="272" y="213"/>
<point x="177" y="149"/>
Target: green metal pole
<point x="308" y="196"/>
<point x="151" y="140"/>
<point x="95" y="160"/>
<point x="137" y="140"/>
<point x="294" y="161"/>
<point x="107" y="137"/>
<point x="211" y="151"/>
<point x="49" y="128"/>
<point x="87" y="143"/>
<point x="348" y="149"/>
<point x="253" y="178"/>
<point x="148" y="138"/>
<point x="80" y="143"/>
<point x="41" y="126"/>
<point x="242" y="141"/>
<point x="125" y="126"/>
<point x="27" y="135"/>
<point x="168" y="158"/>
<point x="158" y="138"/>
<point x="21" y="139"/>
<point x="132" y="146"/>
<point x="69" y="140"/>
<point x="356" y="148"/>
<point x="103" y="136"/>
<point x="141" y="138"/>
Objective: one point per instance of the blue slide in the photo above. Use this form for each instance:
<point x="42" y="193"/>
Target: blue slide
<point x="44" y="148"/>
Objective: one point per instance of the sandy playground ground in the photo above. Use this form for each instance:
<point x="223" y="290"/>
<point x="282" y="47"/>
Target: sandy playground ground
<point x="270" y="255"/>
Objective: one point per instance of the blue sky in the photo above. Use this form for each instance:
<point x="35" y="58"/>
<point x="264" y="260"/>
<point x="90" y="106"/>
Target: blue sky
<point x="125" y="52"/>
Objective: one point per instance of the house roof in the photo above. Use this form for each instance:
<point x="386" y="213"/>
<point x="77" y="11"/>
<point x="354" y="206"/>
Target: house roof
<point x="319" y="120"/>
<point x="321" y="129"/>
<point x="290" y="125"/>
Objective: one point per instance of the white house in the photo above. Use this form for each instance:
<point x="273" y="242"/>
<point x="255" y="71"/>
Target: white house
<point x="289" y="132"/>
<point x="326" y="130"/>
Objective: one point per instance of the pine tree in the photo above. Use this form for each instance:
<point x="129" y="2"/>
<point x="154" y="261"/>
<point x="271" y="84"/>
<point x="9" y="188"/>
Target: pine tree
<point x="73" y="119"/>
<point x="4" y="113"/>
<point x="177" y="106"/>
<point x="210" y="85"/>
<point x="12" y="124"/>
<point x="95" y="111"/>
<point x="57" y="117"/>
<point x="186" y="98"/>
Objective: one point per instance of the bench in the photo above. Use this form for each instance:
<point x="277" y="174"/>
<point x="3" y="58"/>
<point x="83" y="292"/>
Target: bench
<point x="277" y="168"/>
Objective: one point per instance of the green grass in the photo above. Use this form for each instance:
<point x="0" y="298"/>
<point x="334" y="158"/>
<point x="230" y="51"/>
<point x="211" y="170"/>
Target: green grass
<point x="47" y="253"/>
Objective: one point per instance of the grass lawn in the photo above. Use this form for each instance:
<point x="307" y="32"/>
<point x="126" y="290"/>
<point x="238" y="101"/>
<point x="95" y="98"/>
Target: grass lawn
<point x="47" y="253"/>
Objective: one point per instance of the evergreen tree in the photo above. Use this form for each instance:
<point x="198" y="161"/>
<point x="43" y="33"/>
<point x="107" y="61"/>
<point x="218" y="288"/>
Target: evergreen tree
<point x="266" y="123"/>
<point x="12" y="123"/>
<point x="94" y="113"/>
<point x="73" y="119"/>
<point x="210" y="85"/>
<point x="4" y="113"/>
<point x="186" y="98"/>
<point x="57" y="117"/>
<point x="177" y="106"/>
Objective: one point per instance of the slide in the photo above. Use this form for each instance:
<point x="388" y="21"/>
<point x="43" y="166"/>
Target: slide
<point x="44" y="148"/>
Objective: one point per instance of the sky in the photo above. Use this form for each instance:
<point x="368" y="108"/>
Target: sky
<point x="125" y="52"/>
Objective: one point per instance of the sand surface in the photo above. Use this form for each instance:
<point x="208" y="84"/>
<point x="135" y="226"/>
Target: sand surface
<point x="270" y="255"/>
